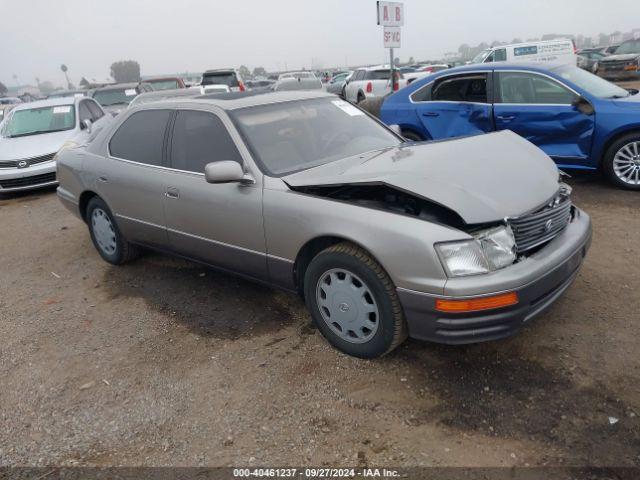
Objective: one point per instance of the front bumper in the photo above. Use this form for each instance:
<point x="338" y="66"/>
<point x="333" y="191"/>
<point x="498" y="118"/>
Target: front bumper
<point x="619" y="74"/>
<point x="35" y="176"/>
<point x="557" y="265"/>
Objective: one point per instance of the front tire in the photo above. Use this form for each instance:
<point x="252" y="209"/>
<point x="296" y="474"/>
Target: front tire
<point x="353" y="302"/>
<point x="622" y="162"/>
<point x="105" y="235"/>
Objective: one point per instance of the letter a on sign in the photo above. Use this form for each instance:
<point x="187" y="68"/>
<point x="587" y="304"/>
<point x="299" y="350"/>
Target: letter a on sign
<point x="390" y="14"/>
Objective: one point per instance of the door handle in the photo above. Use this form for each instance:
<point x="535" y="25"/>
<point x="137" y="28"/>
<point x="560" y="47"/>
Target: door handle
<point x="103" y="180"/>
<point x="172" y="192"/>
<point x="506" y="118"/>
<point x="431" y="114"/>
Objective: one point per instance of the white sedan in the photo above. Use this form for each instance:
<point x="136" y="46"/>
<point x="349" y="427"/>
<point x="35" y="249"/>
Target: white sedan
<point x="32" y="134"/>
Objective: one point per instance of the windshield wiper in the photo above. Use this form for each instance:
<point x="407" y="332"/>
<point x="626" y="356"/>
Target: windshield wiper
<point x="37" y="132"/>
<point x="616" y="96"/>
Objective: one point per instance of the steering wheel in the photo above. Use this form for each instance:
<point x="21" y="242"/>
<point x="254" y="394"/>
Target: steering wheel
<point x="334" y="138"/>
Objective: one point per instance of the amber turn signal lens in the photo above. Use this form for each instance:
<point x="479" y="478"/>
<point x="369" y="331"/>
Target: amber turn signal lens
<point x="477" y="304"/>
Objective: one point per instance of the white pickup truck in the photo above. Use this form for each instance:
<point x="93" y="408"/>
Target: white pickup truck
<point x="371" y="82"/>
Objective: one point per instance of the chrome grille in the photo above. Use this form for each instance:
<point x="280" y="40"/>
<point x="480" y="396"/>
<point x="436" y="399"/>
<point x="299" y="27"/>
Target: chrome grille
<point x="30" y="161"/>
<point x="28" y="181"/>
<point x="615" y="65"/>
<point x="534" y="229"/>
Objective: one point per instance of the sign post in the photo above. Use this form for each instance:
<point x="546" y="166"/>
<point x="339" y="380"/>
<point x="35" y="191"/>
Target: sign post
<point x="391" y="17"/>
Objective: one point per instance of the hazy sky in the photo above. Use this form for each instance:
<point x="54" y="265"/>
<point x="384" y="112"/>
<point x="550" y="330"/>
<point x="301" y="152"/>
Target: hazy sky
<point x="193" y="35"/>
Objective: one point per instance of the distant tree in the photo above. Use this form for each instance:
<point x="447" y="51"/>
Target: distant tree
<point x="411" y="61"/>
<point x="125" y="71"/>
<point x="244" y="71"/>
<point x="259" y="72"/>
<point x="84" y="83"/>
<point x="3" y="89"/>
<point x="46" y="87"/>
<point x="517" y="40"/>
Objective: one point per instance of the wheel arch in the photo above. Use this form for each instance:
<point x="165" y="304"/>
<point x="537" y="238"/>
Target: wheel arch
<point x="614" y="137"/>
<point x="83" y="202"/>
<point x="313" y="247"/>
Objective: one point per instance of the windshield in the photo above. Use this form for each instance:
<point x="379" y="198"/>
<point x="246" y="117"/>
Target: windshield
<point x="35" y="121"/>
<point x="596" y="86"/>
<point x="115" y="97"/>
<point x="481" y="57"/>
<point x="226" y="78"/>
<point x="293" y="136"/>
<point x="164" y="84"/>
<point x="628" y="47"/>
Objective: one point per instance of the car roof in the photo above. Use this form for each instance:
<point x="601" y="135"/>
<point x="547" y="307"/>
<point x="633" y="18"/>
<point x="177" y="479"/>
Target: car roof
<point x="236" y="100"/>
<point x="219" y="70"/>
<point x="118" y="86"/>
<point x="49" y="102"/>
<point x="534" y="67"/>
<point x="375" y="67"/>
<point x="159" y="79"/>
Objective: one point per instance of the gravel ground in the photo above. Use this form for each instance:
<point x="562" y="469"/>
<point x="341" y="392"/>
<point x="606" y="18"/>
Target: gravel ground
<point x="164" y="362"/>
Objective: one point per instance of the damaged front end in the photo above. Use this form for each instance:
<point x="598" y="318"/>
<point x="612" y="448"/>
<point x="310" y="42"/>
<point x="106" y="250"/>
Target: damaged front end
<point x="384" y="197"/>
<point x="493" y="246"/>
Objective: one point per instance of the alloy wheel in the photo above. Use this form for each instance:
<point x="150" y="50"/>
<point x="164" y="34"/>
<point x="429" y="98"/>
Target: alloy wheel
<point x="626" y="163"/>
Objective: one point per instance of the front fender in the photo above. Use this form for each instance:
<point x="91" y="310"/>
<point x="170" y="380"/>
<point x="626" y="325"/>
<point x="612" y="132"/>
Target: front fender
<point x="402" y="244"/>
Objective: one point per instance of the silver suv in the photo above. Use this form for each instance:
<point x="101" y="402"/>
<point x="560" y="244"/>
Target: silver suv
<point x="455" y="241"/>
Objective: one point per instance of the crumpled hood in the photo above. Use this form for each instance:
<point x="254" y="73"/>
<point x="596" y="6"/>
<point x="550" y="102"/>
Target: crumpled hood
<point x="483" y="178"/>
<point x="33" y="145"/>
<point x="619" y="58"/>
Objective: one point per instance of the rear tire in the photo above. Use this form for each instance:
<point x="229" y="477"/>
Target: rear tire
<point x="622" y="162"/>
<point x="106" y="236"/>
<point x="353" y="302"/>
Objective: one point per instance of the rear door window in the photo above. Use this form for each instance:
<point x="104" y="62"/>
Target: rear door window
<point x="468" y="88"/>
<point x="141" y="137"/>
<point x="200" y="138"/>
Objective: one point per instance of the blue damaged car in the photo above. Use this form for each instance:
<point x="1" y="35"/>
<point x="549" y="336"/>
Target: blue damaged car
<point x="580" y="120"/>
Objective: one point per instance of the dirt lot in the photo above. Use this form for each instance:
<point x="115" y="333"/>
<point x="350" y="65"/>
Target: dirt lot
<point x="163" y="362"/>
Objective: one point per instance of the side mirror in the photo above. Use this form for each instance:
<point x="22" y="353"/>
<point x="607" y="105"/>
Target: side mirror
<point x="225" y="171"/>
<point x="86" y="124"/>
<point x="583" y="105"/>
<point x="396" y="129"/>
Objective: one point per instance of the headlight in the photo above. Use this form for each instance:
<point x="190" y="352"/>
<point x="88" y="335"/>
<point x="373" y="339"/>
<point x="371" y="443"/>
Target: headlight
<point x="491" y="250"/>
